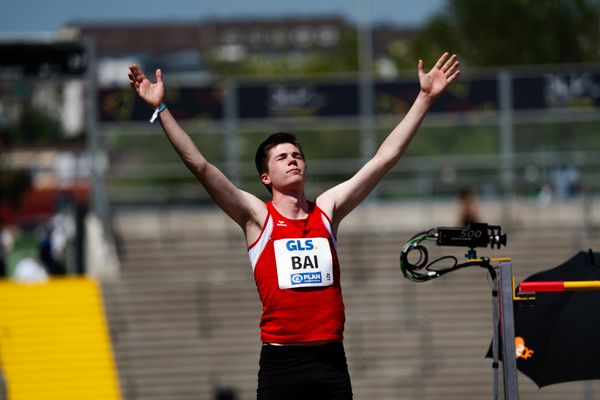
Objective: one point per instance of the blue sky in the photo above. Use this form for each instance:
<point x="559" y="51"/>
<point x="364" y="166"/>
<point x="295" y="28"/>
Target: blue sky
<point x="31" y="16"/>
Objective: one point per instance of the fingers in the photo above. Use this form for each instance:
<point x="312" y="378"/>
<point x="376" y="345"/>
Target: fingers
<point x="158" y="74"/>
<point x="132" y="82"/>
<point x="136" y="74"/>
<point x="453" y="76"/>
<point x="441" y="61"/>
<point x="452" y="70"/>
<point x="448" y="65"/>
<point x="130" y="73"/>
<point x="133" y="71"/>
<point x="451" y="62"/>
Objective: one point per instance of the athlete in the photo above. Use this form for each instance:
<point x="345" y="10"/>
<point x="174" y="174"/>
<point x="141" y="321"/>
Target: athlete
<point x="291" y="240"/>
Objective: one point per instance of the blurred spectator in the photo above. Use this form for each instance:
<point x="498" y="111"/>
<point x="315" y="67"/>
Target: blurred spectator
<point x="28" y="270"/>
<point x="468" y="207"/>
<point x="226" y="394"/>
<point x="54" y="245"/>
<point x="80" y="237"/>
<point x="565" y="181"/>
<point x="546" y="195"/>
<point x="6" y="242"/>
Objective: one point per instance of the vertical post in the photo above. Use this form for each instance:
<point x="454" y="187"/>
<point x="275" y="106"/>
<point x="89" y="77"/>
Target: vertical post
<point x="106" y="262"/>
<point x="366" y="92"/>
<point x="507" y="332"/>
<point x="495" y="336"/>
<point x="93" y="145"/>
<point x="230" y="143"/>
<point x="96" y="151"/>
<point x="506" y="141"/>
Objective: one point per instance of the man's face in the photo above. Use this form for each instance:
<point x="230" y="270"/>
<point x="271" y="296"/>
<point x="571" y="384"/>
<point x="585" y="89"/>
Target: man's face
<point x="286" y="168"/>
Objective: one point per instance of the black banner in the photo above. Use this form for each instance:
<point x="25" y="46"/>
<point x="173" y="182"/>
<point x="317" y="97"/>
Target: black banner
<point x="122" y="104"/>
<point x="42" y="60"/>
<point x="548" y="91"/>
<point x="557" y="90"/>
<point x="462" y="96"/>
<point x="298" y="99"/>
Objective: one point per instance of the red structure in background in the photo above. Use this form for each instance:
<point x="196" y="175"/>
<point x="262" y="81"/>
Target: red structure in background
<point x="37" y="205"/>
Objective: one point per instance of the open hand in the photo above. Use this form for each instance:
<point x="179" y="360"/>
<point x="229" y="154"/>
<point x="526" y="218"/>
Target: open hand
<point x="151" y="93"/>
<point x="441" y="75"/>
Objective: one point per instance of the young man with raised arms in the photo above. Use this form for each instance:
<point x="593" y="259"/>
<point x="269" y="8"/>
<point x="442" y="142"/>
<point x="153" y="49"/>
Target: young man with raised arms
<point x="291" y="240"/>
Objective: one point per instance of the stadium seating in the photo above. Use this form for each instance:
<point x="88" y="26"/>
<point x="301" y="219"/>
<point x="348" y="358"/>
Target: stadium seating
<point x="184" y="314"/>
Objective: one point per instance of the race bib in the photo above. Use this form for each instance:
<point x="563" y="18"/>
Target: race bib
<point x="303" y="263"/>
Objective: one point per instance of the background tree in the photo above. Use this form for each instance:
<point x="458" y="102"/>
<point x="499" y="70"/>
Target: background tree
<point x="512" y="32"/>
<point x="36" y="127"/>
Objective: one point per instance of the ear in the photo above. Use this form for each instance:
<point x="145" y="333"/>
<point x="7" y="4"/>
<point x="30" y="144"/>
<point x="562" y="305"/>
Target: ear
<point x="265" y="179"/>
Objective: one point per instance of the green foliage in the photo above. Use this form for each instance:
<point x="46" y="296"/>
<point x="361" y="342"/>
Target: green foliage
<point x="433" y="141"/>
<point x="36" y="127"/>
<point x="513" y="32"/>
<point x="558" y="137"/>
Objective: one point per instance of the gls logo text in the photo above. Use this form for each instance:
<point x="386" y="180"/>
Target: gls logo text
<point x="299" y="245"/>
<point x="305" y="261"/>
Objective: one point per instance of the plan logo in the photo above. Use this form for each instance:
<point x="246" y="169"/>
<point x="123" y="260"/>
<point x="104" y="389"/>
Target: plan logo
<point x="306" y="277"/>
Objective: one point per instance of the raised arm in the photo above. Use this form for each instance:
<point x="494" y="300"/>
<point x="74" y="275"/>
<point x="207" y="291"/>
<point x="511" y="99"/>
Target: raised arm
<point x="343" y="198"/>
<point x="244" y="208"/>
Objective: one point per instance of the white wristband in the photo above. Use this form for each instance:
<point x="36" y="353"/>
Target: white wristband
<point x="157" y="111"/>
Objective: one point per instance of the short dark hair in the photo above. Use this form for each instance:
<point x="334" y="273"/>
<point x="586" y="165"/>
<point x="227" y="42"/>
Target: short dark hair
<point x="262" y="152"/>
<point x="261" y="159"/>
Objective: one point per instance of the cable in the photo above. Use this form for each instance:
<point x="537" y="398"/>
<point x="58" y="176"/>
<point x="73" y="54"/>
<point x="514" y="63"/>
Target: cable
<point x="410" y="270"/>
<point x="422" y="270"/>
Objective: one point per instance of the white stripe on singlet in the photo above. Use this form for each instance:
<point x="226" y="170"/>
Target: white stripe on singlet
<point x="255" y="251"/>
<point x="328" y="226"/>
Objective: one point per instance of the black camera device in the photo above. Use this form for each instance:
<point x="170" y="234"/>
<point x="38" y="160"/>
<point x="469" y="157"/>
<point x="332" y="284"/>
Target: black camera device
<point x="473" y="235"/>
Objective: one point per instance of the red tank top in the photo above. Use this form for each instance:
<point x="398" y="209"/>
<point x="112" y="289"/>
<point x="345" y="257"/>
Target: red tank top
<point x="297" y="275"/>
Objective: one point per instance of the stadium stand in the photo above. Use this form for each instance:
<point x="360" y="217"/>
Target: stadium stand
<point x="184" y="314"/>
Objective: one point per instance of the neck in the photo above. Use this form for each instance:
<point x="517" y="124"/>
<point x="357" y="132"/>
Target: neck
<point x="291" y="205"/>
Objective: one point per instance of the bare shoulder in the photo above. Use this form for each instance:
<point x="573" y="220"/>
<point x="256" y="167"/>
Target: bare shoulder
<point x="326" y="202"/>
<point x="257" y="215"/>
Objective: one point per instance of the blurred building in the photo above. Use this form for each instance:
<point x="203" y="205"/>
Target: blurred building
<point x="43" y="118"/>
<point x="183" y="47"/>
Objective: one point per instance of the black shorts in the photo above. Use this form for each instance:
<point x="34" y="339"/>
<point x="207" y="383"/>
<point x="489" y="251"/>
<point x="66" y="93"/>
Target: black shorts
<point x="304" y="372"/>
